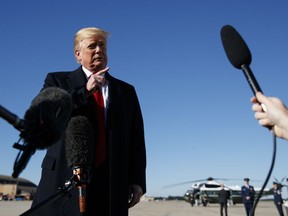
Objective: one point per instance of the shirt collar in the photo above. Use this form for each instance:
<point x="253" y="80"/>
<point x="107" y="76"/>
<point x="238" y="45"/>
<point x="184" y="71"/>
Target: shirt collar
<point x="86" y="71"/>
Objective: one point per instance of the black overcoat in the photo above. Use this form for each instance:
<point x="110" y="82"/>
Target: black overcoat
<point x="126" y="155"/>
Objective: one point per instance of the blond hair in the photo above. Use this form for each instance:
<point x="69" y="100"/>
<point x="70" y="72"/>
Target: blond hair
<point x="89" y="32"/>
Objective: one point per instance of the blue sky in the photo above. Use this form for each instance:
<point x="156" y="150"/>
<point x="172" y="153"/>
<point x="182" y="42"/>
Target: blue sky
<point x="195" y="104"/>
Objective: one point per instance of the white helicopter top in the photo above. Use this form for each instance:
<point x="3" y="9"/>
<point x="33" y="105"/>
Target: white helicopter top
<point x="212" y="184"/>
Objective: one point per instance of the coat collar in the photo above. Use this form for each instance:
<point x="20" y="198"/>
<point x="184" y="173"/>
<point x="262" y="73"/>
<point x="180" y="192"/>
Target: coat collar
<point x="77" y="78"/>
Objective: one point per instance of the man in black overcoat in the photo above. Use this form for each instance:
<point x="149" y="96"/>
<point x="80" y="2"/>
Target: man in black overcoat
<point x="119" y="181"/>
<point x="223" y="197"/>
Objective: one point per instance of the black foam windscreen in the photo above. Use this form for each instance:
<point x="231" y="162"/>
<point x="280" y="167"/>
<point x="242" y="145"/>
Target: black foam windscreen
<point x="235" y="47"/>
<point x="47" y="117"/>
<point x="79" y="149"/>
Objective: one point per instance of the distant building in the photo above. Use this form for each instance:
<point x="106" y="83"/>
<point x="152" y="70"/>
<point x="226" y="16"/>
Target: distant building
<point x="146" y="198"/>
<point x="13" y="188"/>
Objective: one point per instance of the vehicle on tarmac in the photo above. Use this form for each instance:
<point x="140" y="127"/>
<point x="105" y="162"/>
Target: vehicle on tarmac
<point x="205" y="191"/>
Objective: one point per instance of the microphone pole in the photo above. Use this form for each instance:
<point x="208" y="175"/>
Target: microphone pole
<point x="23" y="158"/>
<point x="251" y="79"/>
<point x="81" y="177"/>
<point x="62" y="192"/>
<point x="12" y="118"/>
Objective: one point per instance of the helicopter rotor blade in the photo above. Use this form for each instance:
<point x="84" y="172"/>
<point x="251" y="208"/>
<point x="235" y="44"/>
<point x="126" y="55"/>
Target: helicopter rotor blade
<point x="276" y="179"/>
<point x="183" y="183"/>
<point x="204" y="180"/>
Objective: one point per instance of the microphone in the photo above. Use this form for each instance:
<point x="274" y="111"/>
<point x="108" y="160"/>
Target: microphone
<point x="12" y="118"/>
<point x="79" y="154"/>
<point x="239" y="54"/>
<point x="44" y="123"/>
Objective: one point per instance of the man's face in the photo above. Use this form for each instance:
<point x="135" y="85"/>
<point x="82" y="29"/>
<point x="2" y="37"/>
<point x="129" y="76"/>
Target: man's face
<point x="92" y="53"/>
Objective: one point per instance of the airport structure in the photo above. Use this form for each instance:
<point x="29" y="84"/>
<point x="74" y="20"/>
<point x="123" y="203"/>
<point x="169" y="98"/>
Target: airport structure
<point x="16" y="188"/>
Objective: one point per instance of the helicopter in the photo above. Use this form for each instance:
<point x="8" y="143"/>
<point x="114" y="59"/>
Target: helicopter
<point x="205" y="191"/>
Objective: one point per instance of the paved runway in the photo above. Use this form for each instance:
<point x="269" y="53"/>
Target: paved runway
<point x="160" y="208"/>
<point x="182" y="208"/>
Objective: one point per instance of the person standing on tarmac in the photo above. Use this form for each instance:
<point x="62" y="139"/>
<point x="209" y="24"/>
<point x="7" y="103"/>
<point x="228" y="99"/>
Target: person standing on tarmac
<point x="248" y="194"/>
<point x="278" y="198"/>
<point x="223" y="198"/>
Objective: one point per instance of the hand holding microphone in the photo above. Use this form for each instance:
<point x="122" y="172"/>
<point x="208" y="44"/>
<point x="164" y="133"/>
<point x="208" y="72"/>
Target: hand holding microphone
<point x="276" y="114"/>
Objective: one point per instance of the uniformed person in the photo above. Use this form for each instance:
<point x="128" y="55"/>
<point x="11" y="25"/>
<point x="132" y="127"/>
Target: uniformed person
<point x="278" y="198"/>
<point x="248" y="194"/>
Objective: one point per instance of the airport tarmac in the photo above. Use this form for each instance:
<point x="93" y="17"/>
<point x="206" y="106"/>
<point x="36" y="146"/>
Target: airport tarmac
<point x="159" y="208"/>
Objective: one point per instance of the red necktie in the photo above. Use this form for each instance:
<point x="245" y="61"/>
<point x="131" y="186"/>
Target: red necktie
<point x="100" y="113"/>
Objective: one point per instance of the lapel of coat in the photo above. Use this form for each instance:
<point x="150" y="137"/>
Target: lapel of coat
<point x="76" y="79"/>
<point x="113" y="100"/>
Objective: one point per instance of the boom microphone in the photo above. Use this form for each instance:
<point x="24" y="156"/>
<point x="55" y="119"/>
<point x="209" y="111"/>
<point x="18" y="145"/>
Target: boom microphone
<point x="12" y="118"/>
<point x="44" y="123"/>
<point x="79" y="154"/>
<point x="239" y="54"/>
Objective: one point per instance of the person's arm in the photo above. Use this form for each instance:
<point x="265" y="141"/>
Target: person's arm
<point x="276" y="114"/>
<point x="137" y="159"/>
